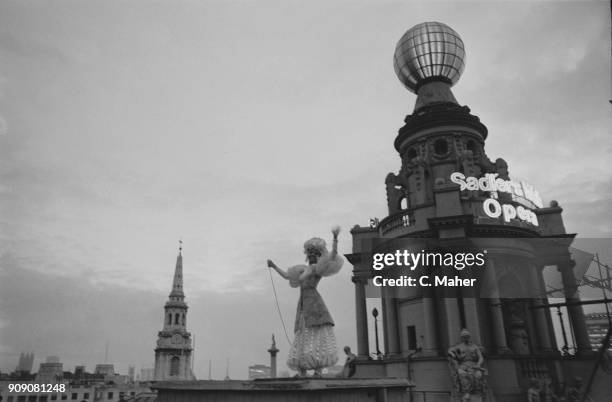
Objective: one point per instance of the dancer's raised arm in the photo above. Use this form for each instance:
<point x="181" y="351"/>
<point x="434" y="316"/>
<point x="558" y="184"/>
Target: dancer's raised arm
<point x="282" y="273"/>
<point x="330" y="262"/>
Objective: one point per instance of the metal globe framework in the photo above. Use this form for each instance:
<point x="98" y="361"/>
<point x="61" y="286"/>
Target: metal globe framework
<point x="428" y="52"/>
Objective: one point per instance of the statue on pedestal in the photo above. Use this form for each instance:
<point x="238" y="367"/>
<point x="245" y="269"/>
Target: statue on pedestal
<point x="533" y="392"/>
<point x="350" y="363"/>
<point x="314" y="344"/>
<point x="467" y="373"/>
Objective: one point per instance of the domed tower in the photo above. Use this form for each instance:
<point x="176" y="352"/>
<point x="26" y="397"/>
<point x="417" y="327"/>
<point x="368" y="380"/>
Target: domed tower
<point x="448" y="195"/>
<point x="440" y="136"/>
<point x="173" y="351"/>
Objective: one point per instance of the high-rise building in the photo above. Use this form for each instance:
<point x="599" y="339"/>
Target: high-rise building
<point x="173" y="351"/>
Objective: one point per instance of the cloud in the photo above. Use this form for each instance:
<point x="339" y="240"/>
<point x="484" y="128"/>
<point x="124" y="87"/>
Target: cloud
<point x="3" y="126"/>
<point x="74" y="316"/>
<point x="69" y="316"/>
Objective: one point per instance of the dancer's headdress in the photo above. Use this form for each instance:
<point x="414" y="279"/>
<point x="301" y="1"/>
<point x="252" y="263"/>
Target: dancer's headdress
<point x="315" y="244"/>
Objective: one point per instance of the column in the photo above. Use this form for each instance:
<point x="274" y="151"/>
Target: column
<point x="497" y="321"/>
<point x="452" y="320"/>
<point x="385" y="319"/>
<point x="272" y="365"/>
<point x="390" y="323"/>
<point x="429" y="341"/>
<point x="576" y="314"/>
<point x="471" y="318"/>
<point x="539" y="312"/>
<point x="361" y="317"/>
<point x="495" y="307"/>
<point x="539" y="316"/>
<point x="548" y="313"/>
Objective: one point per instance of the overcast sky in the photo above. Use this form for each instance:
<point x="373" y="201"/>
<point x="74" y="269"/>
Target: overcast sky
<point x="245" y="128"/>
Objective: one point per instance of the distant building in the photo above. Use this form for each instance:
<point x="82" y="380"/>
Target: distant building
<point x="51" y="371"/>
<point x="79" y="386"/>
<point x="259" y="371"/>
<point x="597" y="328"/>
<point x="143" y="397"/>
<point x="79" y="371"/>
<point x="78" y="393"/>
<point x="107" y="370"/>
<point x="147" y="374"/>
<point x="26" y="362"/>
<point x="173" y="351"/>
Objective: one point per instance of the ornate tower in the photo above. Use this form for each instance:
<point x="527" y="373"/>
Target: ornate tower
<point x="173" y="351"/>
<point x="448" y="195"/>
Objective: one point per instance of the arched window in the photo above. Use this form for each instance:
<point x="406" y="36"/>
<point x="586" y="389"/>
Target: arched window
<point x="441" y="147"/>
<point x="183" y="319"/>
<point x="169" y="319"/>
<point x="174" y="366"/>
<point x="176" y="319"/>
<point x="471" y="146"/>
<point x="404" y="203"/>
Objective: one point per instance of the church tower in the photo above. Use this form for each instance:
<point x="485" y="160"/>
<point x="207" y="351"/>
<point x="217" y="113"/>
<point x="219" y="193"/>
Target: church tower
<point x="173" y="351"/>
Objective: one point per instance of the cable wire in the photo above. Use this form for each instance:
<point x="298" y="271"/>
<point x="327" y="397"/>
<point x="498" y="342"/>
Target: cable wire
<point x="278" y="307"/>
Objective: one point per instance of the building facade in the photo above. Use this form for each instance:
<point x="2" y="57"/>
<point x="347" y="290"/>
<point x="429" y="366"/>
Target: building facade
<point x="449" y="195"/>
<point x="51" y="371"/>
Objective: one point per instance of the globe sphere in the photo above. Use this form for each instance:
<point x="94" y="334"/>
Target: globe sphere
<point x="430" y="51"/>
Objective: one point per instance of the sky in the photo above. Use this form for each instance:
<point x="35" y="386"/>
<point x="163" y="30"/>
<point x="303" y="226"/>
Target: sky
<point x="245" y="128"/>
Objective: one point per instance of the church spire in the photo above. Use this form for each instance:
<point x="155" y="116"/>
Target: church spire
<point x="174" y="349"/>
<point x="177" y="283"/>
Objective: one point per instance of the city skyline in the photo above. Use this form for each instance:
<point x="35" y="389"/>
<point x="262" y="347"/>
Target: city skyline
<point x="245" y="129"/>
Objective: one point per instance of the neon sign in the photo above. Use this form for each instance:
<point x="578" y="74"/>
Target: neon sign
<point x="521" y="192"/>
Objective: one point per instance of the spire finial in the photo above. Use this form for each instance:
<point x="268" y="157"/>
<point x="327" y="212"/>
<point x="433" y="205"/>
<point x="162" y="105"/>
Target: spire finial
<point x="227" y="377"/>
<point x="180" y="246"/>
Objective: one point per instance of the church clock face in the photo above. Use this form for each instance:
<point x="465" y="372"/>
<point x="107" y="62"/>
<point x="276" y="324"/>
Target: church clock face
<point x="177" y="339"/>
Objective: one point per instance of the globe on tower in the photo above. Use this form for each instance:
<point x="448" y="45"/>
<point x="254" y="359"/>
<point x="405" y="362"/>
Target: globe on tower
<point x="430" y="51"/>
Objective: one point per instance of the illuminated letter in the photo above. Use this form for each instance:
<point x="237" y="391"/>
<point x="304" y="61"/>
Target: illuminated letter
<point x="492" y="208"/>
<point x="509" y="212"/>
<point x="457" y="178"/>
<point x="472" y="183"/>
<point x="501" y="185"/>
<point x="534" y="219"/>
<point x="484" y="183"/>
